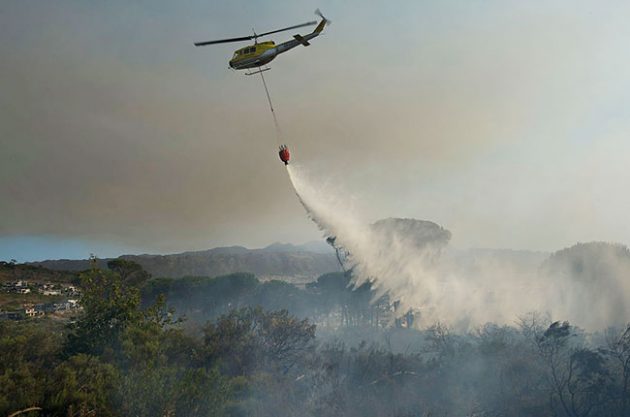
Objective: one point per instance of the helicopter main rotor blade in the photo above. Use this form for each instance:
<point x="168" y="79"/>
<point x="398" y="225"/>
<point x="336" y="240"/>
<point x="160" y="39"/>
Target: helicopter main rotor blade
<point x="248" y="38"/>
<point x="244" y="38"/>
<point x="313" y="22"/>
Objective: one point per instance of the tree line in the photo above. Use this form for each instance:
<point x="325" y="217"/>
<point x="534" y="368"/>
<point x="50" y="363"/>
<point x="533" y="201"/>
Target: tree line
<point x="129" y="353"/>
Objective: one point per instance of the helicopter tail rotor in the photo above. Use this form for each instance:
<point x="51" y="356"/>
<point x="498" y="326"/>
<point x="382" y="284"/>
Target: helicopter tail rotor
<point x="324" y="19"/>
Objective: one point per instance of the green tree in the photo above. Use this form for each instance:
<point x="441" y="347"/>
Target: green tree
<point x="131" y="273"/>
<point x="163" y="375"/>
<point x="28" y="350"/>
<point x="83" y="384"/>
<point x="108" y="308"/>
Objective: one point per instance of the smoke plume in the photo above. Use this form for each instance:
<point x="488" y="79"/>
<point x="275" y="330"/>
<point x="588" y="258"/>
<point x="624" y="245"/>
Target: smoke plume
<point x="466" y="288"/>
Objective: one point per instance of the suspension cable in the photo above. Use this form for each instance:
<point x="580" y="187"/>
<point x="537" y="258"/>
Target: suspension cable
<point x="275" y="119"/>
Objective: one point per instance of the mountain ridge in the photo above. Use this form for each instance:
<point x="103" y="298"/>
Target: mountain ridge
<point x="281" y="260"/>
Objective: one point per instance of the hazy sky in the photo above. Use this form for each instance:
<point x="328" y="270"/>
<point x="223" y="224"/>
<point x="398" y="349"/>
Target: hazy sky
<point x="507" y="122"/>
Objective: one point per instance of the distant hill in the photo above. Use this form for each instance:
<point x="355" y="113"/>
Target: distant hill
<point x="283" y="261"/>
<point x="15" y="272"/>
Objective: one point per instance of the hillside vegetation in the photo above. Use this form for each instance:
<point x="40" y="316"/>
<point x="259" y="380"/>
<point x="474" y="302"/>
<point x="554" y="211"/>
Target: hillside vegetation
<point x="128" y="354"/>
<point x="13" y="272"/>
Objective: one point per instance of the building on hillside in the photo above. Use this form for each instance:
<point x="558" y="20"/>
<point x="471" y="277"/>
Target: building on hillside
<point x="71" y="291"/>
<point x="30" y="311"/>
<point x="17" y="287"/>
<point x="66" y="305"/>
<point x="45" y="308"/>
<point x="11" y="315"/>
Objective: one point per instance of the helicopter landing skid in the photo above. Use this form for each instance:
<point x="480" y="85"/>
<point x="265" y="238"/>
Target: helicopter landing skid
<point x="260" y="70"/>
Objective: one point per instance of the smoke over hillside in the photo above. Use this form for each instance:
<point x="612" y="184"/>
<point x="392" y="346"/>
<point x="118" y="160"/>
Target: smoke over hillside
<point x="411" y="262"/>
<point x="590" y="283"/>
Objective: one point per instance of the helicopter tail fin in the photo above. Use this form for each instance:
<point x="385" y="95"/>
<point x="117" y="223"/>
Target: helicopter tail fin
<point x="321" y="26"/>
<point x="323" y="22"/>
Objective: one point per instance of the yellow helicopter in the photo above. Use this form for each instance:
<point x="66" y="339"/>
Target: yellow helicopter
<point x="259" y="54"/>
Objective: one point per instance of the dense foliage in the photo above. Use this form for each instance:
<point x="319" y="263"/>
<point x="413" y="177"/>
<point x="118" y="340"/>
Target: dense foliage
<point x="128" y="354"/>
<point x="329" y="300"/>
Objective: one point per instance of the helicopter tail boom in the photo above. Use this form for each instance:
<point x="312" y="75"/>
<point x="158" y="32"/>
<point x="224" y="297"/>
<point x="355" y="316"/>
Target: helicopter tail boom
<point x="303" y="39"/>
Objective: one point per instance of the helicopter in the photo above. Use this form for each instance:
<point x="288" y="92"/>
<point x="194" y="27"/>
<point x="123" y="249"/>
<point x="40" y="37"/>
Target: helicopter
<point x="261" y="53"/>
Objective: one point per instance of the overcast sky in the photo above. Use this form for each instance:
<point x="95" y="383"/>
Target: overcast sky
<point x="507" y="122"/>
